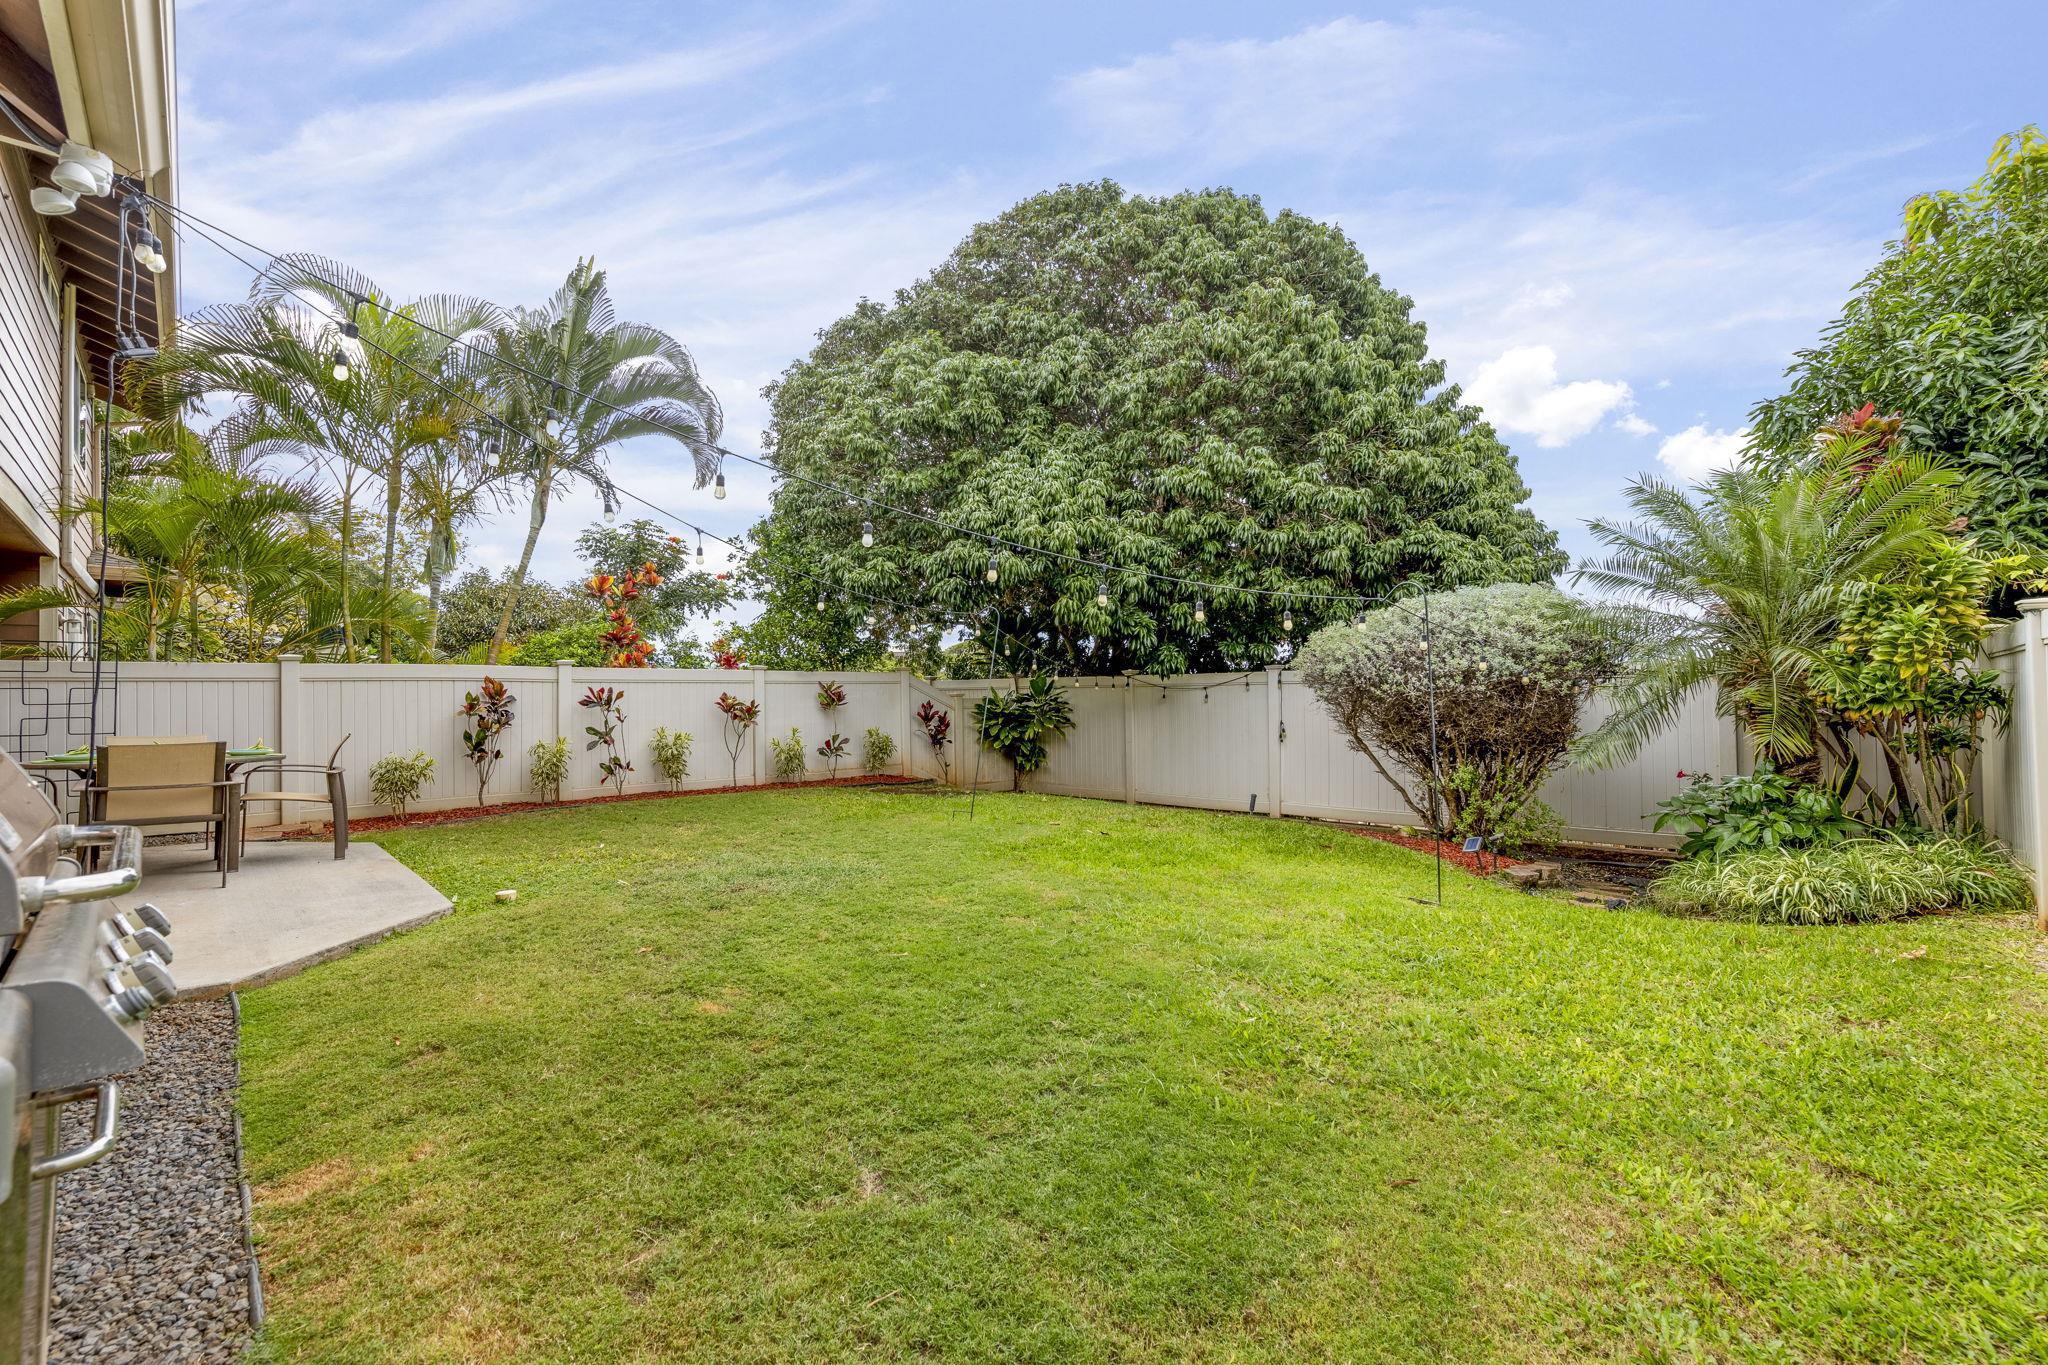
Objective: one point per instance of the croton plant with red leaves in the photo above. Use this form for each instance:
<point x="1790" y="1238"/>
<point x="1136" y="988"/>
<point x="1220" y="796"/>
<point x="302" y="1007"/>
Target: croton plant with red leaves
<point x="740" y="717"/>
<point x="628" y="647"/>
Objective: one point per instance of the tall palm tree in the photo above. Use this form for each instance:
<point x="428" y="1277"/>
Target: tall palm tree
<point x="572" y="381"/>
<point x="401" y="362"/>
<point x="1742" y="584"/>
<point x="446" y="490"/>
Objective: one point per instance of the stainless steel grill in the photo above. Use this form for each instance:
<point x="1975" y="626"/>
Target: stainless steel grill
<point x="76" y="979"/>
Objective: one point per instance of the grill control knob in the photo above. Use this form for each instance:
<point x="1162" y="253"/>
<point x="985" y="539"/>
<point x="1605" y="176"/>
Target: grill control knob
<point x="154" y="919"/>
<point x="149" y="941"/>
<point x="155" y="978"/>
<point x="129" y="1004"/>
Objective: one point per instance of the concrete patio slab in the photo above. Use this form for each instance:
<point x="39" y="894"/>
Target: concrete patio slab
<point x="291" y="905"/>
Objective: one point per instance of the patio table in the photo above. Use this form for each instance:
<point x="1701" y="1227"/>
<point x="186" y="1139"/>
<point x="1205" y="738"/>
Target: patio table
<point x="78" y="763"/>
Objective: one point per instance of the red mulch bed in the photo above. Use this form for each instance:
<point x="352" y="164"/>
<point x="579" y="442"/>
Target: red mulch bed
<point x="418" y="819"/>
<point x="1484" y="863"/>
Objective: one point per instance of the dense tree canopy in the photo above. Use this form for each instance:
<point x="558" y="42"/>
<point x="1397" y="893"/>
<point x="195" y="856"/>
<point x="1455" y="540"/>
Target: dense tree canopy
<point x="1950" y="331"/>
<point x="1187" y="385"/>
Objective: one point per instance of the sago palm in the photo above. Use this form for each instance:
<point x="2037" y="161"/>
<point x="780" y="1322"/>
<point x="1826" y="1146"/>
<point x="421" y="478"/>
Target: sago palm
<point x="1741" y="586"/>
<point x="571" y="381"/>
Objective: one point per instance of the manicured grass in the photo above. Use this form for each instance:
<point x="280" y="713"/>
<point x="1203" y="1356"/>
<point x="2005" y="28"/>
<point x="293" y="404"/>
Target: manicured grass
<point x="839" y="1074"/>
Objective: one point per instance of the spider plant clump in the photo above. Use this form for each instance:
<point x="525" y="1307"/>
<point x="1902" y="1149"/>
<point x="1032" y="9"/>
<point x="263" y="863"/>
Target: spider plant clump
<point x="1855" y="881"/>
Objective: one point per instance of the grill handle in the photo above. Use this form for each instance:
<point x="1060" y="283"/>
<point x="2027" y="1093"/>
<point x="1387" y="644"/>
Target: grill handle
<point x="108" y="1107"/>
<point x="123" y="876"/>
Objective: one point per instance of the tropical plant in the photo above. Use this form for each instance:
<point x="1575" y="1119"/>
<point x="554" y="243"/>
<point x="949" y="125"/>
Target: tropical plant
<point x="625" y="646"/>
<point x="671" y="750"/>
<point x="548" y="767"/>
<point x="448" y="486"/>
<point x="831" y="696"/>
<point x="786" y="756"/>
<point x="1850" y="881"/>
<point x="1904" y="670"/>
<point x="833" y="750"/>
<point x="1741" y="813"/>
<point x="1506" y="816"/>
<point x="1946" y="330"/>
<point x="609" y="734"/>
<point x="740" y="717"/>
<point x="488" y="714"/>
<point x="470" y="607"/>
<point x="1742" y="585"/>
<point x="1018" y="724"/>
<point x="583" y="644"/>
<point x="1187" y="385"/>
<point x="571" y="381"/>
<point x="679" y="591"/>
<point x="877" y="747"/>
<point x="935" y="723"/>
<point x="1495" y="677"/>
<point x="396" y="780"/>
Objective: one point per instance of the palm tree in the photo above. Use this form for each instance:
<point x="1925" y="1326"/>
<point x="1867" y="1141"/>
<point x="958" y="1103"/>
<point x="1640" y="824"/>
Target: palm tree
<point x="446" y="490"/>
<point x="571" y="382"/>
<point x="1742" y="585"/>
<point x="401" y="361"/>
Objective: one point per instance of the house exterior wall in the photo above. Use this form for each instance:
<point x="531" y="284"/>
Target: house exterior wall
<point x="32" y="382"/>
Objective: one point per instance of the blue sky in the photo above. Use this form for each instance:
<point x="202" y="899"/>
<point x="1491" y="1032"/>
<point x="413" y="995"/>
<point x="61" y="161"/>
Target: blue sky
<point x="1618" y="220"/>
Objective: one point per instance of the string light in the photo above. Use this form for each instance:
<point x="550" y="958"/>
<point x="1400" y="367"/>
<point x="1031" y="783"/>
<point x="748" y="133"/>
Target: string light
<point x="1287" y="618"/>
<point x="340" y="367"/>
<point x="700" y="549"/>
<point x="990" y="572"/>
<point x="867" y="535"/>
<point x="1201" y="613"/>
<point x="1102" y="594"/>
<point x="821" y="600"/>
<point x="718" y="485"/>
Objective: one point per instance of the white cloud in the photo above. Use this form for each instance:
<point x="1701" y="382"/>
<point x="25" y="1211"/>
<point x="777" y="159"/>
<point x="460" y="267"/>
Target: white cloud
<point x="1347" y="84"/>
<point x="1635" y="425"/>
<point x="1521" y="394"/>
<point x="1697" y="452"/>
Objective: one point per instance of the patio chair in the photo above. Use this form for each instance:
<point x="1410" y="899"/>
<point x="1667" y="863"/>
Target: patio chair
<point x="335" y="796"/>
<point x="171" y="780"/>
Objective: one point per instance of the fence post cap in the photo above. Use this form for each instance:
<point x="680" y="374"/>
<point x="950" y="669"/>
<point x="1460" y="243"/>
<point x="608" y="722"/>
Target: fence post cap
<point x="1130" y="672"/>
<point x="295" y="658"/>
<point x="1276" y="668"/>
<point x="565" y="663"/>
<point x="2032" y="604"/>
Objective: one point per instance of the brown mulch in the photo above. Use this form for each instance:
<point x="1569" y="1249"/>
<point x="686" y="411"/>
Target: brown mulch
<point x="418" y="819"/>
<point x="1484" y="863"/>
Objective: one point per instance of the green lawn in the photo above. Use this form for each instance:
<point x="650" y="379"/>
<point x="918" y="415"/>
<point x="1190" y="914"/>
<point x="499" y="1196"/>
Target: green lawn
<point x="840" y="1074"/>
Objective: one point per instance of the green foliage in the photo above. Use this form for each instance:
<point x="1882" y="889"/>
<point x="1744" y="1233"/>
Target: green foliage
<point x="671" y="754"/>
<point x="581" y="643"/>
<point x="664" y="609"/>
<point x="832" y="751"/>
<point x="1849" y="882"/>
<point x="1763" y="810"/>
<point x="1741" y="584"/>
<point x="470" y="605"/>
<point x="396" y="780"/>
<point x="1017" y="724"/>
<point x="1188" y="385"/>
<point x="1512" y="665"/>
<point x="548" y="767"/>
<point x="877" y="747"/>
<point x="488" y="714"/>
<point x="786" y="756"/>
<point x="741" y="716"/>
<point x="1511" y="818"/>
<point x="1947" y="331"/>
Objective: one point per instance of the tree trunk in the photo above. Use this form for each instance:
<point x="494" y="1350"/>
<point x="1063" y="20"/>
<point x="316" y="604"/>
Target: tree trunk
<point x="394" y="491"/>
<point x="518" y="578"/>
<point x="433" y="616"/>
<point x="348" y="622"/>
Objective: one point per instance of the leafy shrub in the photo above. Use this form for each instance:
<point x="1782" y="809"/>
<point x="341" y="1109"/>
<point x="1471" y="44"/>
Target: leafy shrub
<point x="832" y="750"/>
<point x="581" y="642"/>
<point x="1849" y="882"/>
<point x="937" y="724"/>
<point x="877" y="747"/>
<point x="831" y="696"/>
<point x="489" y="713"/>
<point x="740" y="717"/>
<point x="548" y="767"/>
<point x="671" y="754"/>
<point x="1017" y="724"/>
<point x="788" y="756"/>
<point x="1512" y="665"/>
<point x="1766" y="809"/>
<point x="397" y="780"/>
<point x="609" y="734"/>
<point x="1511" y="819"/>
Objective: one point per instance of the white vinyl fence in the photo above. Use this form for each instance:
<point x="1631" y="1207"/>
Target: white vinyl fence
<point x="1260" y="744"/>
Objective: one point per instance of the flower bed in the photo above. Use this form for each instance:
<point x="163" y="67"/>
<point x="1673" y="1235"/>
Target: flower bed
<point x="1480" y="864"/>
<point x="375" y="823"/>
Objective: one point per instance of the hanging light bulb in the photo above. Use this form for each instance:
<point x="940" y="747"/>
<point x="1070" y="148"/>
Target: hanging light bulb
<point x="1201" y="613"/>
<point x="821" y="601"/>
<point x="340" y="367"/>
<point x="718" y="485"/>
<point x="990" y="572"/>
<point x="867" y="535"/>
<point x="1102" y="594"/>
<point x="1287" y="618"/>
<point x="700" y="549"/>
<point x="611" y="514"/>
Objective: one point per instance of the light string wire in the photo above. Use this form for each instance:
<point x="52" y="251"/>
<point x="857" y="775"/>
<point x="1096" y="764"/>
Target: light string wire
<point x="1019" y="646"/>
<point x="867" y="500"/>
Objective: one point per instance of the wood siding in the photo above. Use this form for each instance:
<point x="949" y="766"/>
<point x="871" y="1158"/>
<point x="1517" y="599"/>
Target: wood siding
<point x="31" y="368"/>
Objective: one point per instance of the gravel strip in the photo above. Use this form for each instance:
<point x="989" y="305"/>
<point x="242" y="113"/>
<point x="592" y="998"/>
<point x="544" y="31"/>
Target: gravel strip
<point x="150" y="1263"/>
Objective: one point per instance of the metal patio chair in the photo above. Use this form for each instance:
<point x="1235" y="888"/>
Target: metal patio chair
<point x="335" y="796"/>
